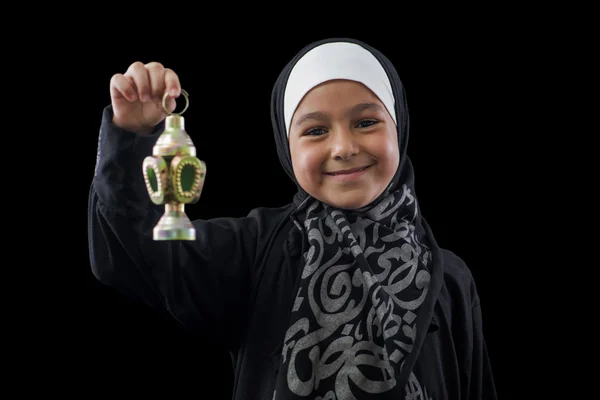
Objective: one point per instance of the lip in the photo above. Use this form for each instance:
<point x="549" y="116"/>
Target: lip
<point x="348" y="174"/>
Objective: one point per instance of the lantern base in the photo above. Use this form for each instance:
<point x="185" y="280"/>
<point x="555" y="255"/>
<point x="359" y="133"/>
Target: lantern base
<point x="174" y="225"/>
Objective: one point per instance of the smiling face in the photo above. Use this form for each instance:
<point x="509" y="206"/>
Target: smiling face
<point x="343" y="144"/>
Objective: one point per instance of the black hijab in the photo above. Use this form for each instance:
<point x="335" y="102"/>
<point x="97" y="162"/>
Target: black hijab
<point x="369" y="281"/>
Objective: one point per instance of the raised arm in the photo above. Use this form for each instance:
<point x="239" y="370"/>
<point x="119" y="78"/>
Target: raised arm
<point x="203" y="283"/>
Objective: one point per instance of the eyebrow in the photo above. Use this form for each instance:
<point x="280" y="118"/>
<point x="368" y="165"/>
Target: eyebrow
<point x="320" y="116"/>
<point x="365" y="106"/>
<point x="317" y="116"/>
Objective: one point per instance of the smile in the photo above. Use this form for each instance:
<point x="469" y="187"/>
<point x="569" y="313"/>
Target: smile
<point x="347" y="175"/>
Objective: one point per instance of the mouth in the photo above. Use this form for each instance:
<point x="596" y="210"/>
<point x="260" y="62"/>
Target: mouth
<point x="347" y="171"/>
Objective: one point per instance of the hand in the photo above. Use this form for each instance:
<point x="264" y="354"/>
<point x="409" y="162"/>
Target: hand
<point x="137" y="95"/>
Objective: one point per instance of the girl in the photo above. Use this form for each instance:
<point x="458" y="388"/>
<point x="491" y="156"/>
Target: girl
<point x="341" y="294"/>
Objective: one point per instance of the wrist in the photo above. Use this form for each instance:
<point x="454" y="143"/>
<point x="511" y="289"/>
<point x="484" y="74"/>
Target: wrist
<point x="134" y="128"/>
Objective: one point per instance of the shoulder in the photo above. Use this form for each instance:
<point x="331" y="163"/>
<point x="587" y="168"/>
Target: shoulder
<point x="269" y="222"/>
<point x="270" y="217"/>
<point x="256" y="227"/>
<point x="458" y="278"/>
<point x="455" y="267"/>
<point x="271" y="212"/>
<point x="272" y="226"/>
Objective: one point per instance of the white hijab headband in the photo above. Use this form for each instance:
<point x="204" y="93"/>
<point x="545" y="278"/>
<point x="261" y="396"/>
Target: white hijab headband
<point x="336" y="61"/>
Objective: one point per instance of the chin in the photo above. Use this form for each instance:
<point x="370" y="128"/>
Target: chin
<point x="349" y="202"/>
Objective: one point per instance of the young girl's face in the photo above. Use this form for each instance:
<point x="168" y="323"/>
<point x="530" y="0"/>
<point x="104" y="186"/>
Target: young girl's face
<point x="340" y="128"/>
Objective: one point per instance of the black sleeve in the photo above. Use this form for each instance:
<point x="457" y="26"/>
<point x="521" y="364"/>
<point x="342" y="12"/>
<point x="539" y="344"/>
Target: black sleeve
<point x="482" y="385"/>
<point x="203" y="284"/>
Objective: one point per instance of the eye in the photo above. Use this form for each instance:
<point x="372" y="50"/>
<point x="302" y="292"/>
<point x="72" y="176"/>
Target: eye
<point x="314" y="132"/>
<point x="365" y="123"/>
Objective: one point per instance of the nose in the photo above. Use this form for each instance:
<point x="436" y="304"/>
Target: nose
<point x="344" y="145"/>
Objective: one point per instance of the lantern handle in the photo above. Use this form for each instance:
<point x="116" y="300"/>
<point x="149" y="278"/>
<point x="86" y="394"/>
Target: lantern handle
<point x="187" y="103"/>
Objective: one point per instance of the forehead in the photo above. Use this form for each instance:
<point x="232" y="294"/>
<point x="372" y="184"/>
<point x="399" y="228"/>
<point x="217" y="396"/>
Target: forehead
<point x="339" y="93"/>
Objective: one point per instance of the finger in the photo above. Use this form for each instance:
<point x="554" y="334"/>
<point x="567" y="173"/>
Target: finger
<point x="121" y="87"/>
<point x="172" y="84"/>
<point x="171" y="104"/>
<point x="156" y="74"/>
<point x="139" y="74"/>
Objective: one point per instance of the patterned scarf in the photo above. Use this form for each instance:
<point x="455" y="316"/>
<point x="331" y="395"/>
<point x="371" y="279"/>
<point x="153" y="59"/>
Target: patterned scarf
<point x="367" y="288"/>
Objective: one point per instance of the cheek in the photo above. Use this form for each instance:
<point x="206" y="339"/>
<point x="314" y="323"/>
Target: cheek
<point x="311" y="163"/>
<point x="307" y="166"/>
<point x="387" y="151"/>
<point x="393" y="156"/>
